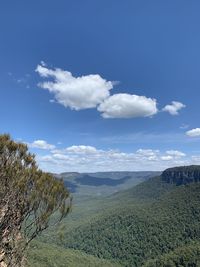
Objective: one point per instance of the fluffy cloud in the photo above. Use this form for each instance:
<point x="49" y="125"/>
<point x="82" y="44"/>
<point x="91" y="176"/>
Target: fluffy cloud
<point x="82" y="149"/>
<point x="147" y="152"/>
<point x="41" y="144"/>
<point x="85" y="158"/>
<point x="194" y="132"/>
<point x="175" y="153"/>
<point x="75" y="92"/>
<point x="174" y="107"/>
<point x="127" y="106"/>
<point x="172" y="155"/>
<point x="166" y="158"/>
<point x="61" y="157"/>
<point x="93" y="91"/>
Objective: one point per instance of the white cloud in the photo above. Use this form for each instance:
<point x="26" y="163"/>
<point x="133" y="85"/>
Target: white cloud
<point x="61" y="157"/>
<point x="166" y="158"/>
<point x="75" y="92"/>
<point x="194" y="132"/>
<point x="41" y="144"/>
<point x="85" y="158"/>
<point x="147" y="152"/>
<point x="93" y="91"/>
<point x="127" y="106"/>
<point x="174" y="107"/>
<point x="82" y="149"/>
<point x="175" y="153"/>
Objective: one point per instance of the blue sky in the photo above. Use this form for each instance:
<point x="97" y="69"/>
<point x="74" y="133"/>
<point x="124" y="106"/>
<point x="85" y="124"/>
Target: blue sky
<point x="102" y="85"/>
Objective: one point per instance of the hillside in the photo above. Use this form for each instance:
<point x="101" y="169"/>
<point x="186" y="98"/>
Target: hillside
<point x="46" y="255"/>
<point x="148" y="224"/>
<point x="187" y="255"/>
<point x="151" y="219"/>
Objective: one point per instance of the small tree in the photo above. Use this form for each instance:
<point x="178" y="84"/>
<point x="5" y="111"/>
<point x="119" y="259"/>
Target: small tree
<point x="28" y="199"/>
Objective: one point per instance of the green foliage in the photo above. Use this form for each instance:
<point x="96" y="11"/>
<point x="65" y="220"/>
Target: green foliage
<point x="153" y="218"/>
<point x="46" y="255"/>
<point x="187" y="256"/>
<point x="148" y="191"/>
<point x="28" y="198"/>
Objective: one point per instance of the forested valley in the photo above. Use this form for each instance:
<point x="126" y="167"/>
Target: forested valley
<point x="154" y="223"/>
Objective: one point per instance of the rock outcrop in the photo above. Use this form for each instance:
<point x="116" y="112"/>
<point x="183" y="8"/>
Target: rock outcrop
<point x="182" y="175"/>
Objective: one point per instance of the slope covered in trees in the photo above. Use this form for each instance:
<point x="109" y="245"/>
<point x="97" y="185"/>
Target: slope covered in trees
<point x="48" y="255"/>
<point x="152" y="219"/>
<point x="187" y="255"/>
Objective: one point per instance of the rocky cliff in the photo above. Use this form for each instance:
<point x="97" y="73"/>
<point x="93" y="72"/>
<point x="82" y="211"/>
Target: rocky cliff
<point x="182" y="175"/>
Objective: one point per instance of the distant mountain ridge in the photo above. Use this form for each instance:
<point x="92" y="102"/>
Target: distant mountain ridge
<point x="96" y="181"/>
<point x="103" y="183"/>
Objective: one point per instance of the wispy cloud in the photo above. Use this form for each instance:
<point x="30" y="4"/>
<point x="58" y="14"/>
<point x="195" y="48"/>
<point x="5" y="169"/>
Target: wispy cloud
<point x="41" y="144"/>
<point x="23" y="80"/>
<point x="184" y="126"/>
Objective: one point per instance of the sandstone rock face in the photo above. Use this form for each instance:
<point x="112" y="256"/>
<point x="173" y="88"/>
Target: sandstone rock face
<point x="182" y="175"/>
